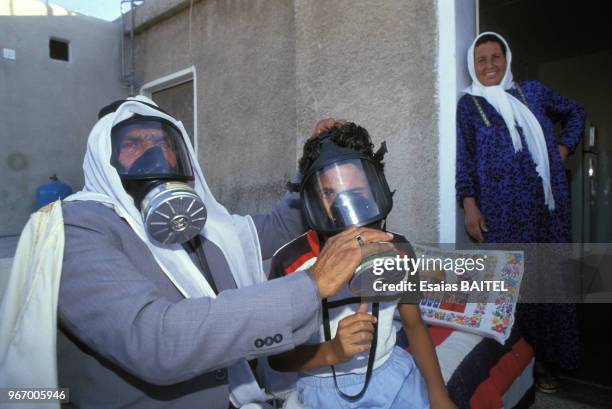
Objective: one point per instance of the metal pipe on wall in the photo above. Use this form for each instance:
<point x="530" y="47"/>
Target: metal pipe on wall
<point x="129" y="76"/>
<point x="133" y="60"/>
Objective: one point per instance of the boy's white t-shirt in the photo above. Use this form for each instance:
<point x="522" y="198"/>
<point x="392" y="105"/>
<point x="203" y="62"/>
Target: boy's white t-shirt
<point x="386" y="333"/>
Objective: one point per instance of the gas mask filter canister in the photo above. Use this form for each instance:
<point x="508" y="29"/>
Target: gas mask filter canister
<point x="173" y="213"/>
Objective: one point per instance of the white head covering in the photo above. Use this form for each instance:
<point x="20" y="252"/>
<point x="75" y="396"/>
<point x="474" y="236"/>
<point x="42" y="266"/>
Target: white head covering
<point x="235" y="235"/>
<point x="514" y="112"/>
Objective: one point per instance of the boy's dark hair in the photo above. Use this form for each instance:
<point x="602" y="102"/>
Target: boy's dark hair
<point x="491" y="38"/>
<point x="349" y="135"/>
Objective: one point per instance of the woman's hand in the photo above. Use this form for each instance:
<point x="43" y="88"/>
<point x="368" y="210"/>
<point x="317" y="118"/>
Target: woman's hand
<point x="354" y="336"/>
<point x="563" y="152"/>
<point x="474" y="220"/>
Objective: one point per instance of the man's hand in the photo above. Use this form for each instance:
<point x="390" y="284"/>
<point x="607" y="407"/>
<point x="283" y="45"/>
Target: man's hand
<point x="474" y="220"/>
<point x="354" y="336"/>
<point x="325" y="124"/>
<point x="340" y="257"/>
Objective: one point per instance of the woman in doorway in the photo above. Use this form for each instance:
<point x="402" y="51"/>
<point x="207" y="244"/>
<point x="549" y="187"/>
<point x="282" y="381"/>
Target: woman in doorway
<point x="511" y="181"/>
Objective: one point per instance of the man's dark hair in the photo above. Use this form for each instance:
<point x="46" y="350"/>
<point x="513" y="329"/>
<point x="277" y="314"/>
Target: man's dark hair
<point x="491" y="38"/>
<point x="348" y="135"/>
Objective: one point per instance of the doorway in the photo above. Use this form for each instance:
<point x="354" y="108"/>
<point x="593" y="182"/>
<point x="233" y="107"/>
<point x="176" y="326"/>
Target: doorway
<point x="567" y="46"/>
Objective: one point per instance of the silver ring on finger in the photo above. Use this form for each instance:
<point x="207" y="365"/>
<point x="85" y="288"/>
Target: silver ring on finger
<point x="360" y="240"/>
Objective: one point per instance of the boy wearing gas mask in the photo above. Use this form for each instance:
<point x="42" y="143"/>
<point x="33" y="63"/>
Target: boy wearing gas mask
<point x="352" y="361"/>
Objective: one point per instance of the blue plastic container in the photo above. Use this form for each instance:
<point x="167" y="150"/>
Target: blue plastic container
<point x="50" y="192"/>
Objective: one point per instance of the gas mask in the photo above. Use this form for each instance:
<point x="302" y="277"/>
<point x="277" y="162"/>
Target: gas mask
<point x="153" y="163"/>
<point x="345" y="188"/>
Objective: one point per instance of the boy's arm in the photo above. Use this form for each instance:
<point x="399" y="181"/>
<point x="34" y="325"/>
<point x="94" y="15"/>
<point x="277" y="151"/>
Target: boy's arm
<point x="354" y="336"/>
<point x="424" y="355"/>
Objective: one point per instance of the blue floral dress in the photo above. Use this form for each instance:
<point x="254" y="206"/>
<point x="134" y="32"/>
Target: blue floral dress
<point x="505" y="184"/>
<point x="509" y="194"/>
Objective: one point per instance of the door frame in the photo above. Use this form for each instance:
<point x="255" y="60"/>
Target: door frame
<point x="457" y="28"/>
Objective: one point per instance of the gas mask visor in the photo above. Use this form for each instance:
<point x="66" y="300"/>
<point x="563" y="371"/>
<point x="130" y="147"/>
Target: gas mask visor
<point x="153" y="163"/>
<point x="149" y="148"/>
<point x="350" y="190"/>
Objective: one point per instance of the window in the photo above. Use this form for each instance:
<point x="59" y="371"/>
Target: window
<point x="58" y="49"/>
<point x="176" y="93"/>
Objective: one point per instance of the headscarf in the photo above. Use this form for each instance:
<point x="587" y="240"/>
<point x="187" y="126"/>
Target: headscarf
<point x="514" y="113"/>
<point x="236" y="236"/>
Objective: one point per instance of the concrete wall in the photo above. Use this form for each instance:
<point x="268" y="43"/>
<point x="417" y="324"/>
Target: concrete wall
<point x="374" y="62"/>
<point x="267" y="70"/>
<point x="47" y="107"/>
<point x="243" y="53"/>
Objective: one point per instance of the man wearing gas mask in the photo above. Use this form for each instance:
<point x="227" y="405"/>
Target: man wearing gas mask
<point x="352" y="361"/>
<point x="163" y="299"/>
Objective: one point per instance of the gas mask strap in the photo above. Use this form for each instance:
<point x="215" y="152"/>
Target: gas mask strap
<point x="379" y="155"/>
<point x="292" y="187"/>
<point x="371" y="356"/>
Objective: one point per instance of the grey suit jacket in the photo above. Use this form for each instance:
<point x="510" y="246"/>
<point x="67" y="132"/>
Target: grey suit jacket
<point x="128" y="339"/>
